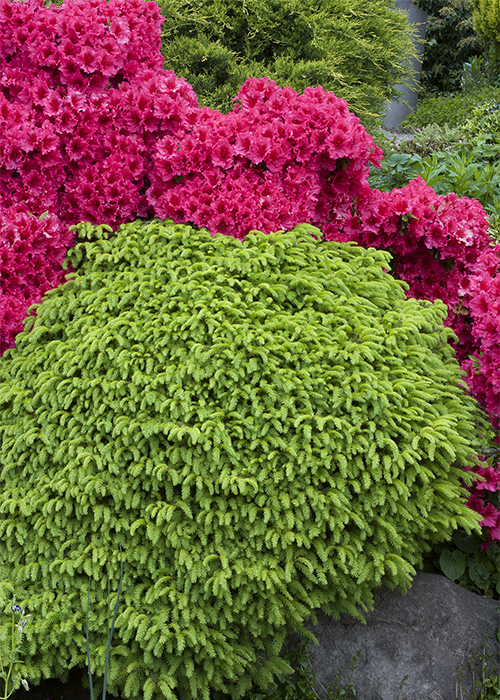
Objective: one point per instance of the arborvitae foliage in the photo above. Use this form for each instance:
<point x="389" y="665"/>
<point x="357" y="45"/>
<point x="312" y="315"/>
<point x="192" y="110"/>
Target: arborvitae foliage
<point x="355" y="48"/>
<point x="268" y="425"/>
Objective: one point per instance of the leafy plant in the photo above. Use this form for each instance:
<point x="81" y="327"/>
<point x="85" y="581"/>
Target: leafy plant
<point x="464" y="561"/>
<point x="483" y="127"/>
<point x="452" y="110"/>
<point x="423" y="142"/>
<point x="474" y="75"/>
<point x="342" y="693"/>
<point x="11" y="637"/>
<point x="192" y="392"/>
<point x="396" y="171"/>
<point x="490" y="688"/>
<point x="450" y="41"/>
<point x="466" y="173"/>
<point x="485" y="683"/>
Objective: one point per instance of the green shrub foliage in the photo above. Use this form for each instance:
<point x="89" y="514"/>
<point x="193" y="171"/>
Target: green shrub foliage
<point x="450" y="41"/>
<point x="483" y="127"/>
<point x="269" y="425"/>
<point x="424" y="142"/>
<point x="354" y="48"/>
<point x="486" y="18"/>
<point x="462" y="560"/>
<point x="452" y="110"/>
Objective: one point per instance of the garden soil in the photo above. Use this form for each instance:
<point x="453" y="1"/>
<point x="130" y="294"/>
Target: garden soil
<point x="53" y="689"/>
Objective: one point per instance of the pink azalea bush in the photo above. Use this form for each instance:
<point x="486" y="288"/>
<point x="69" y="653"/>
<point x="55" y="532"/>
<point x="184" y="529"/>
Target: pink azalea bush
<point x="93" y="128"/>
<point x="32" y="250"/>
<point x="83" y="97"/>
<point x="277" y="159"/>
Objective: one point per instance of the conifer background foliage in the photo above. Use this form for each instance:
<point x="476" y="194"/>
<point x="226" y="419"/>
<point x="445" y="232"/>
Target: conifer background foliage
<point x="356" y="49"/>
<point x="269" y="426"/>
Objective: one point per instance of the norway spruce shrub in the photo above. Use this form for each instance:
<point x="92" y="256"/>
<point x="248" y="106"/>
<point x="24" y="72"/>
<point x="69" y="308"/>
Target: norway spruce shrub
<point x="269" y="426"/>
<point x="354" y="48"/>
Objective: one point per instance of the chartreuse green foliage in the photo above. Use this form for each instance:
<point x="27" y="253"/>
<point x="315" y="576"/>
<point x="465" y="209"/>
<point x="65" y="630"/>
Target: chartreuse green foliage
<point x="268" y="425"/>
<point x="486" y="19"/>
<point x="356" y="48"/>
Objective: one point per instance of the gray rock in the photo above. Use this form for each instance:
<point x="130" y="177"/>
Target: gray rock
<point x="424" y="637"/>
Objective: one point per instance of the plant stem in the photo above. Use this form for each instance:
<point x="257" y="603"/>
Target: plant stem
<point x="12" y="655"/>
<point x="113" y="623"/>
<point x="88" y="646"/>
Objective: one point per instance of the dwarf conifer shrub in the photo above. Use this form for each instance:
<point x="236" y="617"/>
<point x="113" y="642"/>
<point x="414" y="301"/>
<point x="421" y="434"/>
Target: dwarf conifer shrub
<point x="268" y="425"/>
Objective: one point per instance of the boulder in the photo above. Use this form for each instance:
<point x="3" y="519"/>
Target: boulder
<point x="414" y="646"/>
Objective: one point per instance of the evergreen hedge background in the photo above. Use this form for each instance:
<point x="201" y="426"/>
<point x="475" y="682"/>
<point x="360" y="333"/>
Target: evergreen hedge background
<point x="355" y="48"/>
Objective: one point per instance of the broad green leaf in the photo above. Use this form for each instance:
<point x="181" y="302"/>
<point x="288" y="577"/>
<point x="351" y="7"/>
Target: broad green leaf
<point x="452" y="563"/>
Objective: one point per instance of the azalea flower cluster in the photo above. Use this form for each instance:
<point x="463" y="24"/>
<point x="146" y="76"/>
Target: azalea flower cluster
<point x="478" y="501"/>
<point x="279" y="158"/>
<point x="32" y="250"/>
<point x="83" y="96"/>
<point x="92" y="128"/>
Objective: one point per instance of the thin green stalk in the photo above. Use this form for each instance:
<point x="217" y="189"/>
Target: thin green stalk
<point x="109" y="596"/>
<point x="113" y="623"/>
<point x="1" y="665"/>
<point x="12" y="655"/>
<point x="110" y="637"/>
<point x="88" y="646"/>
